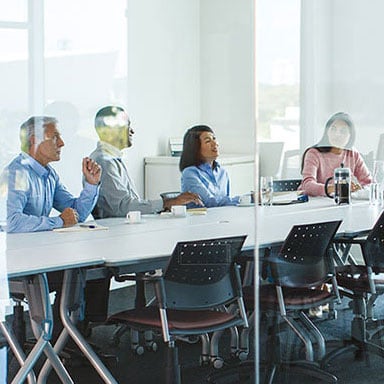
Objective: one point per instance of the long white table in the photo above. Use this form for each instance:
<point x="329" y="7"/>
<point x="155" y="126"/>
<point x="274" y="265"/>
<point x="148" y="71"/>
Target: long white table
<point x="148" y="245"/>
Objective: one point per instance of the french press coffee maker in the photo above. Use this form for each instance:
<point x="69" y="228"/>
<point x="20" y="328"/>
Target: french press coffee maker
<point x="342" y="182"/>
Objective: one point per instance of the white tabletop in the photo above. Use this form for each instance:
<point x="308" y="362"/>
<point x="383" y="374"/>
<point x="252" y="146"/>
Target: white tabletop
<point x="274" y="223"/>
<point x="156" y="237"/>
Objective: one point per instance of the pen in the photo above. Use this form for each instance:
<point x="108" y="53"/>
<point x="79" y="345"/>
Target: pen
<point x="91" y="226"/>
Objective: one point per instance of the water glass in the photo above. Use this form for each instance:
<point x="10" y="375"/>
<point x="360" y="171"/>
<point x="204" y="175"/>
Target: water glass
<point x="266" y="190"/>
<point x="375" y="194"/>
<point x="378" y="171"/>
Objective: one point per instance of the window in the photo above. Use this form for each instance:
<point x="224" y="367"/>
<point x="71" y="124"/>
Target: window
<point x="278" y="71"/>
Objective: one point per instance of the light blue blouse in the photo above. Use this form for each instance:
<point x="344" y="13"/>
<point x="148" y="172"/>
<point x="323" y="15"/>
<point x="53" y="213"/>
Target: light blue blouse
<point x="211" y="184"/>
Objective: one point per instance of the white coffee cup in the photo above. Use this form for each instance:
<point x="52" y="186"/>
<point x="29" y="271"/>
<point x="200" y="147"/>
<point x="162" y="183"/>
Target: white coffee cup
<point x="134" y="217"/>
<point x="179" y="210"/>
<point x="245" y="199"/>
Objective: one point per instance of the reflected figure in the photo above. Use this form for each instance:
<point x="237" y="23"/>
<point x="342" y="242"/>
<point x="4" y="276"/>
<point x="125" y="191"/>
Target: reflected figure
<point x="334" y="148"/>
<point x="77" y="144"/>
<point x="200" y="171"/>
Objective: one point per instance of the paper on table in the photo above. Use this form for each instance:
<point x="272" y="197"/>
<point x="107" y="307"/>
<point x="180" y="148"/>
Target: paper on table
<point x="285" y="196"/>
<point x="82" y="227"/>
<point x="197" y="211"/>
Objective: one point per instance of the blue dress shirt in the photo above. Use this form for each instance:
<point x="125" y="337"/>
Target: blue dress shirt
<point x="210" y="183"/>
<point x="33" y="190"/>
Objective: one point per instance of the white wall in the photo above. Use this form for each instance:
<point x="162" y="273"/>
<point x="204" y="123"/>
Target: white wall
<point x="189" y="62"/>
<point x="227" y="72"/>
<point x="163" y="75"/>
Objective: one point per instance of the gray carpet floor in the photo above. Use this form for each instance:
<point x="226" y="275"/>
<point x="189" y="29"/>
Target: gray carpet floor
<point x="149" y="367"/>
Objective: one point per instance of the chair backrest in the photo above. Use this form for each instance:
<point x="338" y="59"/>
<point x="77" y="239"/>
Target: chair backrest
<point x="304" y="259"/>
<point x="373" y="249"/>
<point x="291" y="164"/>
<point x="202" y="274"/>
<point x="269" y="154"/>
<point x="169" y="195"/>
<point x="286" y="185"/>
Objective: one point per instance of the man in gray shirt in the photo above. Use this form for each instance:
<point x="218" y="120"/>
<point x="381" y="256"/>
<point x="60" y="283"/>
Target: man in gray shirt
<point x="118" y="194"/>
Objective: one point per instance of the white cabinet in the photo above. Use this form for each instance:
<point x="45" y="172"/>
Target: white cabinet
<point x="162" y="174"/>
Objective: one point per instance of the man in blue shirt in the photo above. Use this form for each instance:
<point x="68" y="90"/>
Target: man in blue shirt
<point x="34" y="187"/>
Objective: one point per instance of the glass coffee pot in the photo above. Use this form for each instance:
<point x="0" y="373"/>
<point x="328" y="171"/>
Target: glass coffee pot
<point x="342" y="182"/>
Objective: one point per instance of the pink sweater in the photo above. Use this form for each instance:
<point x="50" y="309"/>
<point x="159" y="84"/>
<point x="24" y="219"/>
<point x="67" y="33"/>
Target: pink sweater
<point x="318" y="166"/>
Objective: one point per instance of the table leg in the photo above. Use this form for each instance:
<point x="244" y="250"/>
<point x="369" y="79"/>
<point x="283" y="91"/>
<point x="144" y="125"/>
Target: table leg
<point x="72" y="278"/>
<point x="140" y="300"/>
<point x="16" y="349"/>
<point x="40" y="311"/>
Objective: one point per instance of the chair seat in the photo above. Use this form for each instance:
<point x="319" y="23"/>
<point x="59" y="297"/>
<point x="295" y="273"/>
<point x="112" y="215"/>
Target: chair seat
<point x="355" y="278"/>
<point x="294" y="297"/>
<point x="177" y="319"/>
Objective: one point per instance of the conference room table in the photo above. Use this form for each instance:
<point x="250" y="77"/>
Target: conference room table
<point x="146" y="246"/>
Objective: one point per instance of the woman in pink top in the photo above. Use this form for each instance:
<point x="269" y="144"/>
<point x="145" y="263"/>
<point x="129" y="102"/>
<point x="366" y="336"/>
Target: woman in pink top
<point x="334" y="148"/>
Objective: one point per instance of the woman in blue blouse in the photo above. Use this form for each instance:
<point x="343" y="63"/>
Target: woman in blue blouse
<point x="200" y="172"/>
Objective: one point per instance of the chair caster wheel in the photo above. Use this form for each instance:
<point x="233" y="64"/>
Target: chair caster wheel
<point x="204" y="361"/>
<point x="217" y="362"/>
<point x="242" y="355"/>
<point x="193" y="339"/>
<point x="138" y="350"/>
<point x="151" y="346"/>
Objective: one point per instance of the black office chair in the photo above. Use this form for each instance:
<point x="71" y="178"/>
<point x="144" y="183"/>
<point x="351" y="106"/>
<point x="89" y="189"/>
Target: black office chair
<point x="298" y="271"/>
<point x="285" y="185"/>
<point x="363" y="284"/>
<point x="192" y="295"/>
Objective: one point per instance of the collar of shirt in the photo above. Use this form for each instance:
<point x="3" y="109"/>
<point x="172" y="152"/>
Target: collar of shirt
<point x="207" y="166"/>
<point x="35" y="165"/>
<point x="109" y="149"/>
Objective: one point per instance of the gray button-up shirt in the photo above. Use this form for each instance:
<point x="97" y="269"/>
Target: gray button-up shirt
<point x="118" y="194"/>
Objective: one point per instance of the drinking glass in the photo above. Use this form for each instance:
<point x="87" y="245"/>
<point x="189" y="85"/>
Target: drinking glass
<point x="378" y="171"/>
<point x="266" y="190"/>
<point x="375" y="194"/>
<point x="377" y="186"/>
